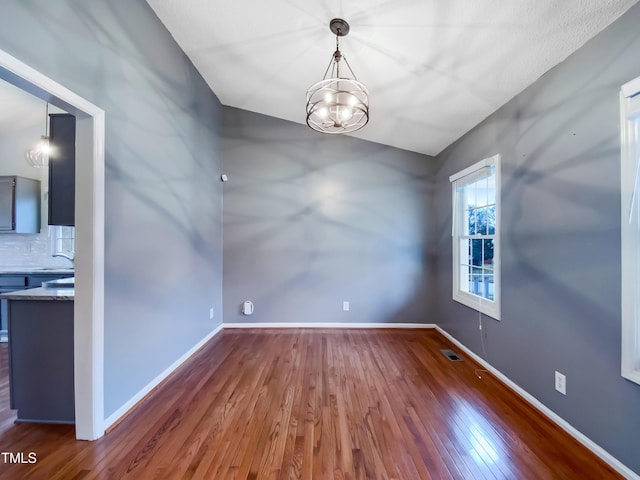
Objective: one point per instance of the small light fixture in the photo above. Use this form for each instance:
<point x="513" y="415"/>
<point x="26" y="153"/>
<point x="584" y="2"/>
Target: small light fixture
<point x="338" y="103"/>
<point x="38" y="155"/>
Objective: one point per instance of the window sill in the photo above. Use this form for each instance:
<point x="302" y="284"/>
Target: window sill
<point x="487" y="307"/>
<point x="632" y="376"/>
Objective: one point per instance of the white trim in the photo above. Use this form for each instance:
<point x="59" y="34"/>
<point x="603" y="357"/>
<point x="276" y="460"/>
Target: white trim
<point x="328" y="325"/>
<point x="89" y="269"/>
<point x="629" y="237"/>
<point x="631" y="88"/>
<point x="554" y="417"/>
<point x="487" y="162"/>
<point x="124" y="409"/>
<point x="488" y="307"/>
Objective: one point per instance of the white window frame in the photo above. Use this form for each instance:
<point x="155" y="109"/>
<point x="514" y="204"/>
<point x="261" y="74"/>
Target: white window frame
<point x="630" y="228"/>
<point x="62" y="240"/>
<point x="486" y="306"/>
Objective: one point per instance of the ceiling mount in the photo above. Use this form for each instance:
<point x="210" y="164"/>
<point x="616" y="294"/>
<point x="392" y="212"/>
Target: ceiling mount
<point x="339" y="27"/>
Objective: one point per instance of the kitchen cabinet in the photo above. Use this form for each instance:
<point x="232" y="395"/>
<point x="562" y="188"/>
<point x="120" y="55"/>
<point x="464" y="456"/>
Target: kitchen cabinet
<point x="35" y="280"/>
<point x="41" y="383"/>
<point x="19" y="205"/>
<point x="10" y="282"/>
<point x="62" y="169"/>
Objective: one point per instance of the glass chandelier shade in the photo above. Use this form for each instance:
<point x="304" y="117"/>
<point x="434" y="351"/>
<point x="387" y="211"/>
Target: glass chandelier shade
<point x="338" y="103"/>
<point x="38" y="155"/>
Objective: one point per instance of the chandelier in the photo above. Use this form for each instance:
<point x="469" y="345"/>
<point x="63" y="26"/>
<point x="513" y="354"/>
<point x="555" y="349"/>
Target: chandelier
<point x="38" y="155"/>
<point x="338" y="103"/>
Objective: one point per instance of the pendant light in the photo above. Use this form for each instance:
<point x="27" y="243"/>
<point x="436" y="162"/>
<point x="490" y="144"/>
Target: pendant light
<point x="38" y="155"/>
<point x="339" y="103"/>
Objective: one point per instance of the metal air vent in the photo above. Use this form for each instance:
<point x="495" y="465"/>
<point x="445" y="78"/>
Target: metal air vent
<point x="451" y="355"/>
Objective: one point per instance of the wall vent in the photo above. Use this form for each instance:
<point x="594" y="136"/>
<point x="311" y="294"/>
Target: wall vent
<point x="451" y="355"/>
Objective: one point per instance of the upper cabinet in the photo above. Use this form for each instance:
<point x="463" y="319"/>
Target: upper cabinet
<point x="62" y="169"/>
<point x="19" y="205"/>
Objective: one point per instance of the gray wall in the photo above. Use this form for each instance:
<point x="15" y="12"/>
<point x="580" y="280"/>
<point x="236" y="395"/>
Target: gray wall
<point x="163" y="199"/>
<point x="560" y="147"/>
<point x="311" y="220"/>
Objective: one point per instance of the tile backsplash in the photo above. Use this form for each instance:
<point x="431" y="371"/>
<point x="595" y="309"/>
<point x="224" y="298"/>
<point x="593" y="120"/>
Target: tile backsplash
<point x="29" y="250"/>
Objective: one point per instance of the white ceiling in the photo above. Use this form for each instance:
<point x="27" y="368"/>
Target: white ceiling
<point x="19" y="109"/>
<point x="434" y="69"/>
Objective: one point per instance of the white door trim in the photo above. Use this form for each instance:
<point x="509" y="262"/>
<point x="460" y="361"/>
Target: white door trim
<point x="89" y="266"/>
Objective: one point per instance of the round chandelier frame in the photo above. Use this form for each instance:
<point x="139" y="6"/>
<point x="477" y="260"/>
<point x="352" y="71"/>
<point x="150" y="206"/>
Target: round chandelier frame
<point x="338" y="103"/>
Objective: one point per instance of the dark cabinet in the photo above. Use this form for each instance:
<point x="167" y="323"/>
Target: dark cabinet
<point x="41" y="385"/>
<point x="19" y="205"/>
<point x="62" y="169"/>
<point x="10" y="282"/>
<point x="35" y="280"/>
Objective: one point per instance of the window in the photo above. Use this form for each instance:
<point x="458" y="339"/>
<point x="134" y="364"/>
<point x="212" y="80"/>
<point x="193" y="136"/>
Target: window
<point x="476" y="240"/>
<point x="63" y="242"/>
<point x="630" y="228"/>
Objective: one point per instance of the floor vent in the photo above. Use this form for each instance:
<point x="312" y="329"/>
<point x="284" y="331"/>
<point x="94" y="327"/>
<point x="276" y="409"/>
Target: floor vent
<point x="451" y="355"/>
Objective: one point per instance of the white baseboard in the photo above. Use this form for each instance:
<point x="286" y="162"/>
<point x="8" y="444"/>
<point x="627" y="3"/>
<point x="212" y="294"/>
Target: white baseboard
<point x="561" y="422"/>
<point x="329" y="325"/>
<point x="115" y="416"/>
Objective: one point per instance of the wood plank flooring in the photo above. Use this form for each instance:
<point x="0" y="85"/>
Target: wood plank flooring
<point x="322" y="404"/>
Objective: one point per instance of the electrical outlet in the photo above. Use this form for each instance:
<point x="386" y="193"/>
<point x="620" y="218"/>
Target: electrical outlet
<point x="210" y="313"/>
<point x="345" y="306"/>
<point x="561" y="383"/>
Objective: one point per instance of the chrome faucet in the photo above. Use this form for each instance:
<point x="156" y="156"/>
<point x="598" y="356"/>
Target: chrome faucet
<point x="71" y="258"/>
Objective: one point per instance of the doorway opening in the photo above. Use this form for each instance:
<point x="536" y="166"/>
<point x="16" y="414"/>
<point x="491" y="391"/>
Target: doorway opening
<point x="89" y="225"/>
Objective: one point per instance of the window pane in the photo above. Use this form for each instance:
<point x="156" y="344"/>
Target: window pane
<point x="487" y="291"/>
<point x="472" y="222"/>
<point x="465" y="275"/>
<point x="491" y="220"/>
<point x="466" y="223"/>
<point x="470" y="196"/>
<point x="476" y="252"/>
<point x="465" y="251"/>
<point x="481" y="192"/>
<point x="475" y="281"/>
<point x="481" y="221"/>
<point x="487" y="255"/>
<point x="491" y="191"/>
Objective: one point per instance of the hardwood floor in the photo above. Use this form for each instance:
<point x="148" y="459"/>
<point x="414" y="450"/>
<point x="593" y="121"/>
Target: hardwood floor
<point x="323" y="404"/>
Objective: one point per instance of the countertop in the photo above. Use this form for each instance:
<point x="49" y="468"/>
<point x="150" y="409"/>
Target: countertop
<point x="59" y="292"/>
<point x="32" y="270"/>
<point x="41" y="294"/>
<point x="68" y="282"/>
